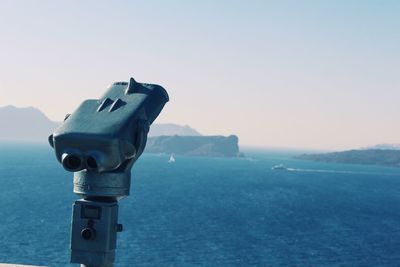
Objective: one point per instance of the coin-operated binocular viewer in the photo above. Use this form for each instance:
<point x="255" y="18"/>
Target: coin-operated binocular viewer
<point x="99" y="142"/>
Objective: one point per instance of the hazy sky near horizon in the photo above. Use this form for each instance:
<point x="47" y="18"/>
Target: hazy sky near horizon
<point x="305" y="74"/>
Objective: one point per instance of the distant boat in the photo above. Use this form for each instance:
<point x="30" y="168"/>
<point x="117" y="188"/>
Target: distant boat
<point x="171" y="159"/>
<point x="279" y="167"/>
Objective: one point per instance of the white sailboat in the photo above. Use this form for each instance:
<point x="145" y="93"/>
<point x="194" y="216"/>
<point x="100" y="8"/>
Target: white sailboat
<point x="171" y="159"/>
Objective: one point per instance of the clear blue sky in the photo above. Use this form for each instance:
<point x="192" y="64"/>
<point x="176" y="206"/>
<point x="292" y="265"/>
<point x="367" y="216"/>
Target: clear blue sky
<point x="314" y="74"/>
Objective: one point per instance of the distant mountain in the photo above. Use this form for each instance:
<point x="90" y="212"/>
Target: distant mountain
<point x="366" y="156"/>
<point x="30" y="124"/>
<point x="172" y="129"/>
<point x="214" y="146"/>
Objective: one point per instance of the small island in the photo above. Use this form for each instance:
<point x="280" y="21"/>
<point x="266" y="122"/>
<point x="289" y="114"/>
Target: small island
<point x="367" y="156"/>
<point x="211" y="146"/>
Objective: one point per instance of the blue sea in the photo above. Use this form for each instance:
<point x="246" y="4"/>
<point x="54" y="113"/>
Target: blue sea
<point x="210" y="211"/>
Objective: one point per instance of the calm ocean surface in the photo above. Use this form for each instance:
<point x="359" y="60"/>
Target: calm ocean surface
<point x="210" y="212"/>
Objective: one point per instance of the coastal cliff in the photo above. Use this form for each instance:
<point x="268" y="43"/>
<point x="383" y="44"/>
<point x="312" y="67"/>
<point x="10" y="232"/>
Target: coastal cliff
<point x="214" y="146"/>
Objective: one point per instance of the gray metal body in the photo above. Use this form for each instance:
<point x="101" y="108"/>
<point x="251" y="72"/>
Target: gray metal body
<point x="99" y="142"/>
